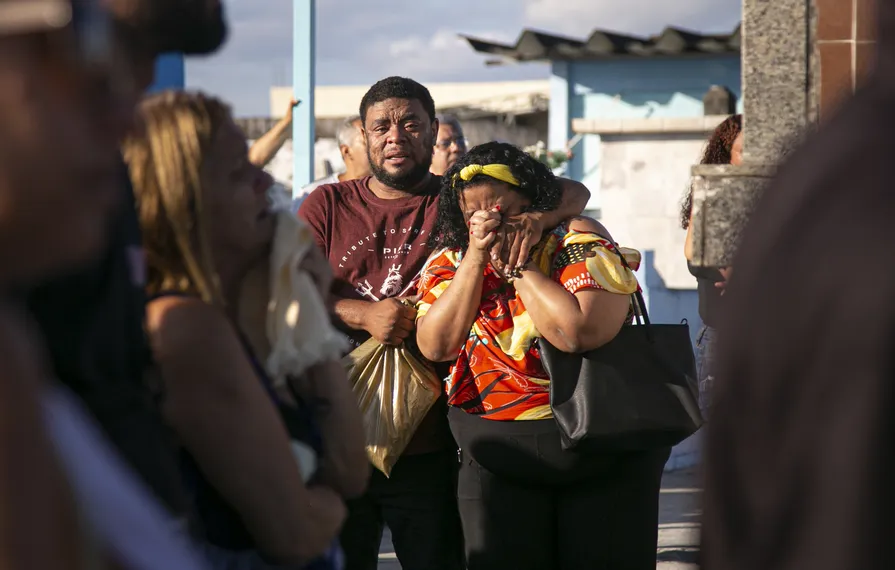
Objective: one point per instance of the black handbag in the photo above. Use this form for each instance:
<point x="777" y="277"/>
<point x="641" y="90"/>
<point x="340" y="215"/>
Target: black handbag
<point x="637" y="392"/>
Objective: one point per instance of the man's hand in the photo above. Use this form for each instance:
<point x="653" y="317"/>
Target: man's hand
<point x="515" y="238"/>
<point x="390" y="321"/>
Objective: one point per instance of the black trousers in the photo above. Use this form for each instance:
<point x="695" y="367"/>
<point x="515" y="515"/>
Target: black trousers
<point x="419" y="505"/>
<point x="526" y="504"/>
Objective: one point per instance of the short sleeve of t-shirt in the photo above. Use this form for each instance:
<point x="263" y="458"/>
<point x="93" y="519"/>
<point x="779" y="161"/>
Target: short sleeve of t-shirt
<point x="436" y="275"/>
<point x="314" y="211"/>
<point x="586" y="260"/>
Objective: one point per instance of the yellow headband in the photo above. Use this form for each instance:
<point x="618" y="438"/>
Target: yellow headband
<point x="497" y="171"/>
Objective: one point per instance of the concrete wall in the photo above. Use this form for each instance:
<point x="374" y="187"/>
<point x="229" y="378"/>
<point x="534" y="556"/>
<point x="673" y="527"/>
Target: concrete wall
<point x="522" y="131"/>
<point x="643" y="181"/>
<point x="637" y="182"/>
<point x="634" y="88"/>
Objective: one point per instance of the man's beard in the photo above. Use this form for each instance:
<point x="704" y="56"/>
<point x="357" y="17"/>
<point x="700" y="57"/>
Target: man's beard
<point x="406" y="181"/>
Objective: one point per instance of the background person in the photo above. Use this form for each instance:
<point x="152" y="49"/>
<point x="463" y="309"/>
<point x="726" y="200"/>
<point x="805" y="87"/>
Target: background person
<point x="353" y="148"/>
<point x="725" y="146"/>
<point x="206" y="222"/>
<point x="375" y="233"/>
<point x="576" y="293"/>
<point x="450" y="144"/>
<point x="269" y="144"/>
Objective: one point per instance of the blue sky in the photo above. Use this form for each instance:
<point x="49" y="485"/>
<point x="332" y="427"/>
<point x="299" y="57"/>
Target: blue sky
<point x="360" y="41"/>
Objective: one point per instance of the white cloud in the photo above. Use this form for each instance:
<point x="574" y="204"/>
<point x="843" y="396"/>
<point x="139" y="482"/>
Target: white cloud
<point x="360" y="41"/>
<point x="442" y="54"/>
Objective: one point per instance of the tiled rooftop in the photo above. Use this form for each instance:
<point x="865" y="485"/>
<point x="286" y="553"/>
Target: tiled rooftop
<point x="534" y="45"/>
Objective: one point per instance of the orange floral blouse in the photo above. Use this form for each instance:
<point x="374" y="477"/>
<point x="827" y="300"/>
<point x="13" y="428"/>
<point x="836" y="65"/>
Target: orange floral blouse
<point x="498" y="373"/>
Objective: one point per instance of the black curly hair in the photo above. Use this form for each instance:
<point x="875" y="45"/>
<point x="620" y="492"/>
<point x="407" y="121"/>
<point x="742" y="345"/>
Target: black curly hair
<point x="397" y="88"/>
<point x="717" y="151"/>
<point x="536" y="182"/>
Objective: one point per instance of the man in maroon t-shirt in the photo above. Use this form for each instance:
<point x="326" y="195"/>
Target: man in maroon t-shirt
<point x="374" y="232"/>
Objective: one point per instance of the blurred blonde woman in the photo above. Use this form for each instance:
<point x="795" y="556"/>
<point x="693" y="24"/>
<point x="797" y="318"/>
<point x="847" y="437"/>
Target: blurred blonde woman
<point x="206" y="223"/>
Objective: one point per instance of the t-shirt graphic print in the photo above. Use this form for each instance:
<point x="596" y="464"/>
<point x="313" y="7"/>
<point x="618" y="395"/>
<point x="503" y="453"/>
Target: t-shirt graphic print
<point x="375" y="247"/>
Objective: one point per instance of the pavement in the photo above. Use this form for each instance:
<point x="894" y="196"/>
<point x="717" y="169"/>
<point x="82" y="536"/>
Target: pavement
<point x="679" y="511"/>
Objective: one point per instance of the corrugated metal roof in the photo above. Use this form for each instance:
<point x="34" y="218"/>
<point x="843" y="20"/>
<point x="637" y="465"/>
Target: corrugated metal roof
<point x="534" y="45"/>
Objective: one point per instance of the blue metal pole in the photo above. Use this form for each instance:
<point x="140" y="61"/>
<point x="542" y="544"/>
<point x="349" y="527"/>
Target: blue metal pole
<point x="170" y="73"/>
<point x="303" y="75"/>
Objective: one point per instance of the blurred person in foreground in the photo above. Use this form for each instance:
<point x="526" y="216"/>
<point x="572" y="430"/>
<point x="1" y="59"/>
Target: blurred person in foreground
<point x="92" y="317"/>
<point x="799" y="450"/>
<point x="66" y="96"/>
<point x="206" y="223"/>
<point x="354" y="154"/>
<point x="450" y="144"/>
<point x="375" y="233"/>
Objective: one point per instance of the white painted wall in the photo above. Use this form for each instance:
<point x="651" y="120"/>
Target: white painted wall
<point x="643" y="181"/>
<point x="644" y="178"/>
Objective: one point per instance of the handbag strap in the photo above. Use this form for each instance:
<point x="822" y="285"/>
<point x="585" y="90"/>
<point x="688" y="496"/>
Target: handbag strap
<point x="637" y="302"/>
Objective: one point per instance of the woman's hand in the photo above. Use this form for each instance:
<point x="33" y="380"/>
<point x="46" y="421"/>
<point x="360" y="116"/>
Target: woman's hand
<point x="483" y="226"/>
<point x="725" y="273"/>
<point x="329" y="508"/>
<point x="344" y="467"/>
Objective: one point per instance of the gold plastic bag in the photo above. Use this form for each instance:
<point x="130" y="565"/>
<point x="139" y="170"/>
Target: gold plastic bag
<point x="395" y="389"/>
